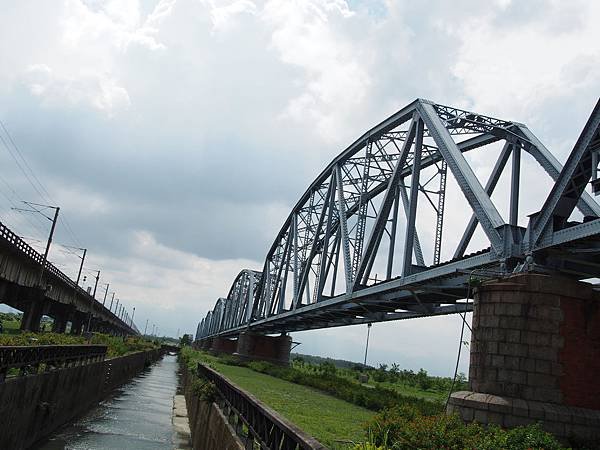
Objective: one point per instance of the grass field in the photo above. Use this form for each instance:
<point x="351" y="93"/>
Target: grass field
<point x="333" y="422"/>
<point x="411" y="391"/>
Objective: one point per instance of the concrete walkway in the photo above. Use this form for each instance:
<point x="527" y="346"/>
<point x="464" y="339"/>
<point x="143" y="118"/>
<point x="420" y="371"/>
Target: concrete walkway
<point x="182" y="438"/>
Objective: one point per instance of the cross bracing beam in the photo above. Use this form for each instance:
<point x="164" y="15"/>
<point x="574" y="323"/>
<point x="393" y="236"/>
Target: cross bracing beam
<point x="349" y="246"/>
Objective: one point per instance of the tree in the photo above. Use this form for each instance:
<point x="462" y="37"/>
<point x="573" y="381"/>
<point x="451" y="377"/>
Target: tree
<point x="186" y="339"/>
<point x="424" y="381"/>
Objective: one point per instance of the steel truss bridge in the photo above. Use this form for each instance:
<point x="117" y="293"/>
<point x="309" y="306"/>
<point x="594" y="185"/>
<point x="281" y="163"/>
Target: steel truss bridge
<point x="364" y="242"/>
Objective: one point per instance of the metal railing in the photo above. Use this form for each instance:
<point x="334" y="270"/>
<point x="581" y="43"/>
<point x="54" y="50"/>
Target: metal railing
<point x="254" y="422"/>
<point x="30" y="359"/>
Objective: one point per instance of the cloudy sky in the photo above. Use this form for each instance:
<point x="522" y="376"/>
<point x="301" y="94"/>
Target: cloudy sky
<point x="175" y="135"/>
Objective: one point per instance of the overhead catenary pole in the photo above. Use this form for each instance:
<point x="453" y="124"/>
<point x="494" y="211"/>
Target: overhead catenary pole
<point x="105" y="294"/>
<point x="96" y="284"/>
<point x="92" y="302"/>
<point x="111" y="301"/>
<point x="146" y="327"/>
<point x="81" y="266"/>
<point x="50" y="236"/>
<point x="132" y="316"/>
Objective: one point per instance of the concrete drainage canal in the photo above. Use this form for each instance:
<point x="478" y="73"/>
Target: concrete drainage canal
<point x="145" y="413"/>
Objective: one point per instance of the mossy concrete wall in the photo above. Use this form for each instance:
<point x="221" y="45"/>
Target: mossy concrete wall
<point x="209" y="427"/>
<point x="33" y="406"/>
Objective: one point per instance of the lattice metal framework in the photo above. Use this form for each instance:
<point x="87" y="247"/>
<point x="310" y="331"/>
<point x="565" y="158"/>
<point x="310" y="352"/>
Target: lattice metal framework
<point x="355" y="248"/>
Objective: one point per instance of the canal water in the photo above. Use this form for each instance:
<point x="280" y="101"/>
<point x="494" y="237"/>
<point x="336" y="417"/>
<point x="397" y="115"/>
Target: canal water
<point x="138" y="415"/>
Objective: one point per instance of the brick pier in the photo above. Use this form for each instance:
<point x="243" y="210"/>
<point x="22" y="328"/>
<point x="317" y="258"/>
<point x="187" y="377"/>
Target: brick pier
<point x="535" y="356"/>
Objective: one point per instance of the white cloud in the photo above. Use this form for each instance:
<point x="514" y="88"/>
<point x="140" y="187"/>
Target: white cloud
<point x="114" y="22"/>
<point x="223" y="17"/>
<point x="310" y="35"/>
<point x="222" y="113"/>
<point x="91" y="89"/>
<point x="512" y="70"/>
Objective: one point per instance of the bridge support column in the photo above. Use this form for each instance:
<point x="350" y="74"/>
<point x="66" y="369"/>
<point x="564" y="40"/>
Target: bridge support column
<point x="33" y="312"/>
<point x="76" y="324"/>
<point x="223" y="345"/>
<point x="206" y="344"/>
<point x="59" y="325"/>
<point x="254" y="346"/>
<point x="535" y="356"/>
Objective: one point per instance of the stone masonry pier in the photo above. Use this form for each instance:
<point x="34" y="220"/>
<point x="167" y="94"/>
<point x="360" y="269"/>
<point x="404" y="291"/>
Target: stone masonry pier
<point x="535" y="356"/>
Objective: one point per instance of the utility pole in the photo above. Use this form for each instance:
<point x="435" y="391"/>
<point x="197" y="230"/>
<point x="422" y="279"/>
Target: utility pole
<point x="111" y="301"/>
<point x="105" y="294"/>
<point x="81" y="265"/>
<point x="367" y="346"/>
<point x="56" y="210"/>
<point x="146" y="327"/>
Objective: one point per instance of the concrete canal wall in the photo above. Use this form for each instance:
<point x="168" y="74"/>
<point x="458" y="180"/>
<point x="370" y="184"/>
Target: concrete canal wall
<point x="209" y="427"/>
<point x="33" y="406"/>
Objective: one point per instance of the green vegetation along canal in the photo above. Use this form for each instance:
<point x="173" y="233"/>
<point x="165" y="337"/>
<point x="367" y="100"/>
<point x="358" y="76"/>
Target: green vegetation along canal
<point x="135" y="416"/>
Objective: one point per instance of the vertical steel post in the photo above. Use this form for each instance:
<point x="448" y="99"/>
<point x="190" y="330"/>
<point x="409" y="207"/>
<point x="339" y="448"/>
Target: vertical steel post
<point x="92" y="302"/>
<point x="514" y="184"/>
<point x="414" y="191"/>
<point x="367" y="346"/>
<point x="105" y="294"/>
<point x="56" y="210"/>
<point x="81" y="266"/>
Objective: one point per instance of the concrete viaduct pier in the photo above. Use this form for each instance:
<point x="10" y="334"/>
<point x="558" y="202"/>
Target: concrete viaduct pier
<point x="535" y="356"/>
<point x="251" y="346"/>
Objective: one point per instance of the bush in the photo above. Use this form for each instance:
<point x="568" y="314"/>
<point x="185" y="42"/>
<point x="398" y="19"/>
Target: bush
<point x="204" y="389"/>
<point x="404" y="427"/>
<point x="117" y="346"/>
<point x="345" y="389"/>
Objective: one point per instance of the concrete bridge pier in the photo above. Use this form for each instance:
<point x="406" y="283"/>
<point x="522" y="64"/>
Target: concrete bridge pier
<point x="77" y="323"/>
<point x="535" y="356"/>
<point x="223" y="345"/>
<point x="206" y="344"/>
<point x="33" y="311"/>
<point x="255" y="346"/>
<point x="59" y="325"/>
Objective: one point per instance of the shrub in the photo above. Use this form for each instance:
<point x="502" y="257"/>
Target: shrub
<point x="345" y="389"/>
<point x="204" y="389"/>
<point x="404" y="427"/>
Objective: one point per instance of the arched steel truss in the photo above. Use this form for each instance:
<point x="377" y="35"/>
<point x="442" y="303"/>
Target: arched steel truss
<point x="355" y="247"/>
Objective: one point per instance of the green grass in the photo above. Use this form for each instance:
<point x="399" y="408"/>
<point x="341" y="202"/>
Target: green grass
<point x="411" y="391"/>
<point x="330" y="420"/>
<point x="432" y="394"/>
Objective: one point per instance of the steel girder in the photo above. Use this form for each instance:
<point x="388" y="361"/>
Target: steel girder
<point x="345" y="229"/>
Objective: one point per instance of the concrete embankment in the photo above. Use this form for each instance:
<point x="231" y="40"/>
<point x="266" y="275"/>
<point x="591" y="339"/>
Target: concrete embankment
<point x="32" y="407"/>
